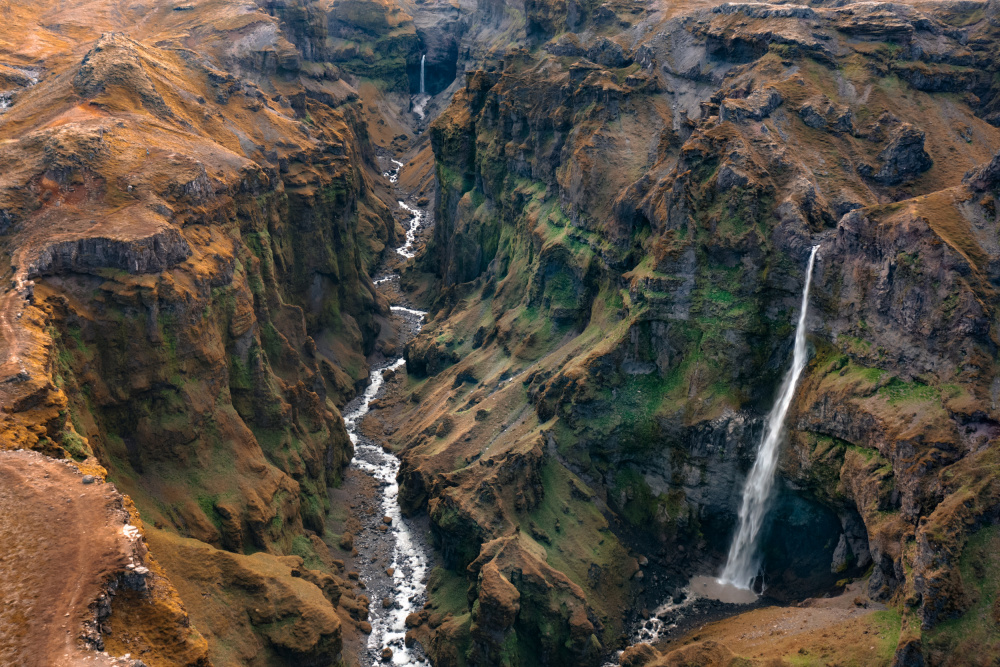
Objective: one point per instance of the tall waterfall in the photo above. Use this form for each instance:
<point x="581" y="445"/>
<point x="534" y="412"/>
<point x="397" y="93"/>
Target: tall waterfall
<point x="744" y="559"/>
<point x="423" y="59"/>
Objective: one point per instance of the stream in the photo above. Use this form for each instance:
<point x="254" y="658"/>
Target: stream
<point x="402" y="592"/>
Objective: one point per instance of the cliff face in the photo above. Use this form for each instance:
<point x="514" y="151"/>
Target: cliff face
<point x="191" y="213"/>
<point x="628" y="192"/>
<point x="626" y="208"/>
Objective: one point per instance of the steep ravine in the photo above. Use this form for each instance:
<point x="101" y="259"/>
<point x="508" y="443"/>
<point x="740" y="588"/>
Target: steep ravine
<point x="192" y="213"/>
<point x="391" y="553"/>
<point x="202" y="277"/>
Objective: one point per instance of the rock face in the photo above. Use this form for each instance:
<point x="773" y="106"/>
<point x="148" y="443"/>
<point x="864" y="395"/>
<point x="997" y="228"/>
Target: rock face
<point x="627" y="195"/>
<point x="622" y="227"/>
<point x="290" y="612"/>
<point x="902" y="160"/>
<point x="153" y="254"/>
<point x="192" y="222"/>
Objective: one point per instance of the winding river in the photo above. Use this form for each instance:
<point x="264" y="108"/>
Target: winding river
<point x="410" y="562"/>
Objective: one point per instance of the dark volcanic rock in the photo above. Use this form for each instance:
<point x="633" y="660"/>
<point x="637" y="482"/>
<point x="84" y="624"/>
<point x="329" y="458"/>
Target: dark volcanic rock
<point x="151" y="254"/>
<point x="756" y="106"/>
<point x="902" y="160"/>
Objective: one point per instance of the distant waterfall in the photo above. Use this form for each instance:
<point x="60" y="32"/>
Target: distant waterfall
<point x="744" y="560"/>
<point x="423" y="59"/>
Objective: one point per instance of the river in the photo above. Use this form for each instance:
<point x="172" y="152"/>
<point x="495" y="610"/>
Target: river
<point x="393" y="596"/>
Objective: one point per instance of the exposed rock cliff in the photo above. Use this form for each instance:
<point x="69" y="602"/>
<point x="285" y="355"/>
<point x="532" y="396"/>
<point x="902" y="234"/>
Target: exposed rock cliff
<point x="192" y="214"/>
<point x="622" y="224"/>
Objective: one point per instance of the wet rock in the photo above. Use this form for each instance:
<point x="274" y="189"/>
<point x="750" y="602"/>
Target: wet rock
<point x="365" y="627"/>
<point x="387" y="520"/>
<point x="413" y="620"/>
<point x="388" y="603"/>
<point x="386" y="654"/>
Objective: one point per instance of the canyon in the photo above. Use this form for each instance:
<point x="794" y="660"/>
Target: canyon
<point x="356" y="332"/>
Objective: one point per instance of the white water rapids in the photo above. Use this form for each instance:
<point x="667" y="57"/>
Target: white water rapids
<point x="406" y="250"/>
<point x="743" y="563"/>
<point x="410" y="563"/>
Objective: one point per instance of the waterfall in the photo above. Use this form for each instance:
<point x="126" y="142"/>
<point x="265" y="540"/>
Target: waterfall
<point x="744" y="560"/>
<point x="423" y="59"/>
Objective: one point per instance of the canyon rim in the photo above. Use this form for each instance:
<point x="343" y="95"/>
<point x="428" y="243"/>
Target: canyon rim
<point x="511" y="333"/>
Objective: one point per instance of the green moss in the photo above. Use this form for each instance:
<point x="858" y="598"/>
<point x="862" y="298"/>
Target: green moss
<point x="978" y="627"/>
<point x="74" y="445"/>
<point x="239" y="374"/>
<point x="303" y="548"/>
<point x="271" y="341"/>
<point x="207" y="504"/>
<point x="448" y="591"/>
<point x="509" y="651"/>
<point x="639" y="507"/>
<point x="897" y="392"/>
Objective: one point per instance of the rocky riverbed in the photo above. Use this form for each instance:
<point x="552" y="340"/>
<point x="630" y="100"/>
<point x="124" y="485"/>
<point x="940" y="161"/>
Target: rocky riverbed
<point x="390" y="553"/>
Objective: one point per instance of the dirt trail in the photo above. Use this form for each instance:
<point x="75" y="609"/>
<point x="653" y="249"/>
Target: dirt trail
<point x="62" y="540"/>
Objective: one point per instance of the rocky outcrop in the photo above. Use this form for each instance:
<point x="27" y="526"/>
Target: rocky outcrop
<point x="153" y="254"/>
<point x="114" y="68"/>
<point x="903" y="159"/>
<point x="756" y="106"/>
<point x="263" y="606"/>
<point x="822" y="114"/>
<point x="190" y="307"/>
<point x="646" y="338"/>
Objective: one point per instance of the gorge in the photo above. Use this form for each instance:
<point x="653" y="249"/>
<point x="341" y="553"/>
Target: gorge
<point x="497" y="333"/>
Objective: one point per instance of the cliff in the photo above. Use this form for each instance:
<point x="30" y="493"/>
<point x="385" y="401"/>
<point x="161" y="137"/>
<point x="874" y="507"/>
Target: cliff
<point x="191" y="213"/>
<point x="628" y="198"/>
<point x="191" y="208"/>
